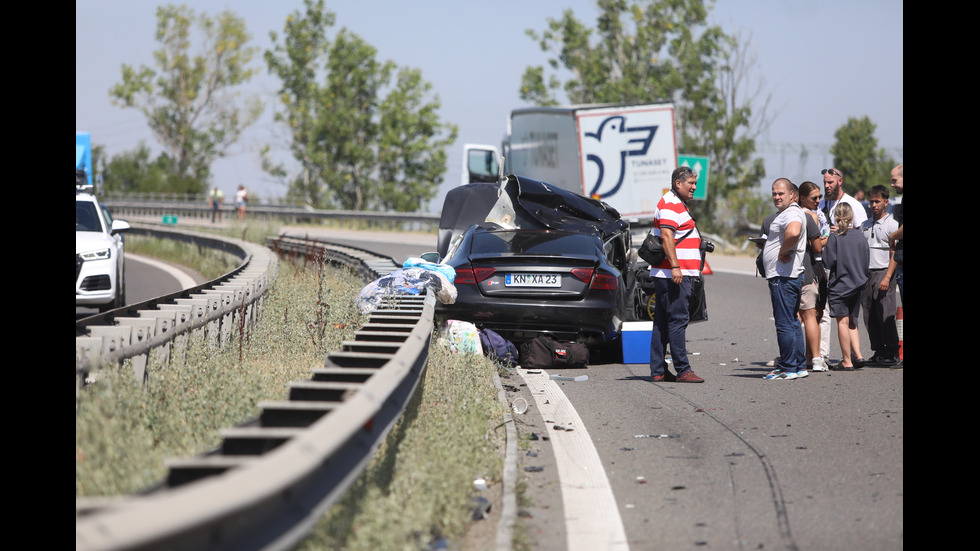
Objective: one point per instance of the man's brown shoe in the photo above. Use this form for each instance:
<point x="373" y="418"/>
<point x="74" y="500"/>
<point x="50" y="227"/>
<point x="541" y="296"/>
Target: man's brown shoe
<point x="667" y="377"/>
<point x="689" y="377"/>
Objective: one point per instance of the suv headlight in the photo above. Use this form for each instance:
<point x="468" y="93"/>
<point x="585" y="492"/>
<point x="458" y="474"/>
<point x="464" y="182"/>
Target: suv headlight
<point x="103" y="254"/>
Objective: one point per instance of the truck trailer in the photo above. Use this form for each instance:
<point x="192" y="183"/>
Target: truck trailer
<point x="622" y="155"/>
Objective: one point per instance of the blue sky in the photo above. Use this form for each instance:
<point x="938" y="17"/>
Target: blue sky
<point x="822" y="61"/>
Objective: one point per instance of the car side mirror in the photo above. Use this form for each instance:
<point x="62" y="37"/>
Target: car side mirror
<point x="432" y="257"/>
<point x="119" y="226"/>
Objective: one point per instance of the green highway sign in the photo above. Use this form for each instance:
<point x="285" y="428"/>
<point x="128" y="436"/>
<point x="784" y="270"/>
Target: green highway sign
<point x="700" y="166"/>
<point x="170" y="219"/>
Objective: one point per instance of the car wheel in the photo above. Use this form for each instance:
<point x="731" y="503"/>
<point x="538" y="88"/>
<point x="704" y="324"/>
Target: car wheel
<point x="645" y="300"/>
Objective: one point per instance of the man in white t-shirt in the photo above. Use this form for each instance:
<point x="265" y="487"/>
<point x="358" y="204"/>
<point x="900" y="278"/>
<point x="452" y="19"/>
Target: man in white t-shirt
<point x="833" y="193"/>
<point x="783" y="256"/>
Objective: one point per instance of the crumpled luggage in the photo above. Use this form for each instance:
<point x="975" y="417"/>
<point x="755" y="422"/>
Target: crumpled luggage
<point x="498" y="348"/>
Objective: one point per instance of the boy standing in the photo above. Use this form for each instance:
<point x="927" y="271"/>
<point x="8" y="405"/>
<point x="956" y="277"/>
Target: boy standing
<point x="878" y="300"/>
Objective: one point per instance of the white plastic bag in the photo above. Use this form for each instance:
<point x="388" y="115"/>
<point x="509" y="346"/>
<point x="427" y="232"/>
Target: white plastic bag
<point x="460" y="337"/>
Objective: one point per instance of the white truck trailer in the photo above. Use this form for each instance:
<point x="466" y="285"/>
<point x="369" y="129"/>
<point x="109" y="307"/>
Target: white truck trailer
<point x="622" y="155"/>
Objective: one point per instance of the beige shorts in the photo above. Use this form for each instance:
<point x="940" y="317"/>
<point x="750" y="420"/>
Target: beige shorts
<point x="808" y="296"/>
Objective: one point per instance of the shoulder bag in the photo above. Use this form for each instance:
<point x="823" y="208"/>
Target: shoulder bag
<point x="652" y="248"/>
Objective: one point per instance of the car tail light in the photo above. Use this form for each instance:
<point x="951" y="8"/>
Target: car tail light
<point x="601" y="280"/>
<point x="605" y="281"/>
<point x="473" y="275"/>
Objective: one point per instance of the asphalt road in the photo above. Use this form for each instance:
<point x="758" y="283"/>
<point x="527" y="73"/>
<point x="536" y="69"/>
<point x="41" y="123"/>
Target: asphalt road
<point x="815" y="463"/>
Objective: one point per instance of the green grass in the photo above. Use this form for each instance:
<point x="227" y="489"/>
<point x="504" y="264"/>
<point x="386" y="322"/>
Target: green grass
<point x="416" y="488"/>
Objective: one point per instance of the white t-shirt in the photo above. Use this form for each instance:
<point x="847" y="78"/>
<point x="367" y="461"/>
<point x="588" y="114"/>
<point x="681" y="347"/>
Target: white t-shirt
<point x="860" y="215"/>
<point x="774" y="241"/>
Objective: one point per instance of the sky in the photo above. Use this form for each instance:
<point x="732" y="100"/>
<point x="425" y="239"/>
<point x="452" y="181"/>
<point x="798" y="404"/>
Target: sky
<point x="822" y="62"/>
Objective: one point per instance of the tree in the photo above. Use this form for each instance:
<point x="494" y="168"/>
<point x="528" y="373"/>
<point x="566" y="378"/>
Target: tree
<point x="365" y="133"/>
<point x="190" y="101"/>
<point x="136" y="172"/>
<point x="662" y="51"/>
<point x="857" y="155"/>
<point x="412" y="155"/>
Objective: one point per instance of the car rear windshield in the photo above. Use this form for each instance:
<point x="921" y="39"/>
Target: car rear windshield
<point x="533" y="242"/>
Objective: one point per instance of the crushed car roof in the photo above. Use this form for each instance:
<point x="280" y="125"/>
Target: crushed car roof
<point x="519" y="202"/>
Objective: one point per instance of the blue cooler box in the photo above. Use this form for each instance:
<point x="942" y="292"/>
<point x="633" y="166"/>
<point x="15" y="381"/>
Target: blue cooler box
<point x="636" y="341"/>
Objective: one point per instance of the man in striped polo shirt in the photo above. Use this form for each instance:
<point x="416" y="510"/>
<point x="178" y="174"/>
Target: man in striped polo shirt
<point x="672" y="279"/>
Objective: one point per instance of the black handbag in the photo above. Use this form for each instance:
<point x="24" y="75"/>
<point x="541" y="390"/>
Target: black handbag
<point x="652" y="248"/>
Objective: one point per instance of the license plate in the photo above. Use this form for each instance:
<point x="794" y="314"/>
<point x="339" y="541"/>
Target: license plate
<point x="533" y="280"/>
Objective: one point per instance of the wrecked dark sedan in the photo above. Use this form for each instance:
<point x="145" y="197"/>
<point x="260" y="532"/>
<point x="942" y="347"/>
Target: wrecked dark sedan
<point x="533" y="259"/>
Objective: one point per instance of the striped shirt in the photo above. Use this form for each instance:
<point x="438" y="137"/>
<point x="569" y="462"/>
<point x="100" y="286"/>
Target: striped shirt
<point x="672" y="213"/>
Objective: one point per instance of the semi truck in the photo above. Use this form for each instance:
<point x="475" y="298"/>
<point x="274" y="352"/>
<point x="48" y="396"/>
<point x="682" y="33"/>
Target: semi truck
<point x="621" y="155"/>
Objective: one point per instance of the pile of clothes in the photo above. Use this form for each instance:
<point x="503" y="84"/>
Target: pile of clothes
<point x="416" y="277"/>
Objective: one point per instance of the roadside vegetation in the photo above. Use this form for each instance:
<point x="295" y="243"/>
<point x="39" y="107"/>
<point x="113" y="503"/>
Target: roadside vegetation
<point x="415" y="492"/>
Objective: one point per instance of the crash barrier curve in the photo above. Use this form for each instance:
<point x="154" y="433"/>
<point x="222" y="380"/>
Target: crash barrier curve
<point x="124" y="209"/>
<point x="274" y="477"/>
<point x="158" y="327"/>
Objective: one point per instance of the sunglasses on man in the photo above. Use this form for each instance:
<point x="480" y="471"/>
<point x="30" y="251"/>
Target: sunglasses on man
<point x="833" y="171"/>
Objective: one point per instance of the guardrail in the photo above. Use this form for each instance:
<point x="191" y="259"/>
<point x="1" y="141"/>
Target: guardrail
<point x="408" y="221"/>
<point x="136" y="331"/>
<point x="275" y="476"/>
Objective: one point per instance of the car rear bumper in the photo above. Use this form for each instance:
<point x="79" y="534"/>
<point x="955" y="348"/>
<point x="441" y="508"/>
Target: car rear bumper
<point x="519" y="323"/>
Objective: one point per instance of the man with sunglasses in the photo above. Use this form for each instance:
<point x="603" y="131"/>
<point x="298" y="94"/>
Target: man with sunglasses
<point x="833" y="185"/>
<point x="833" y="189"/>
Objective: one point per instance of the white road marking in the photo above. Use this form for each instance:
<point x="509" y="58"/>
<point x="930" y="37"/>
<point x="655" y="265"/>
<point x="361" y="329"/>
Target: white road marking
<point x="592" y="518"/>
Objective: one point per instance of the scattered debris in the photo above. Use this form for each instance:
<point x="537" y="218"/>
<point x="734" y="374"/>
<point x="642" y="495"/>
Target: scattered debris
<point x="580" y="378"/>
<point x="480" y="484"/>
<point x="627" y="449"/>
<point x="641" y="480"/>
<point x="533" y="469"/>
<point x="560" y="427"/>
<point x="520" y="405"/>
<point x="656" y="436"/>
<point x="480" y="507"/>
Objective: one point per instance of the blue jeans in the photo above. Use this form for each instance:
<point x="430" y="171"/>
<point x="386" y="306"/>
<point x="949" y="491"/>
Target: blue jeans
<point x="671" y="316"/>
<point x="785" y="295"/>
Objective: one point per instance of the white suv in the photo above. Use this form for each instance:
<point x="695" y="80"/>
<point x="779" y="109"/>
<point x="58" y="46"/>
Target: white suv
<point x="99" y="261"/>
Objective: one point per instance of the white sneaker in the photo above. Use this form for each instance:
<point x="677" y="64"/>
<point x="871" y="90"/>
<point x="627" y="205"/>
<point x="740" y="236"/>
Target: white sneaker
<point x="819" y="364"/>
<point x="773" y="363"/>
